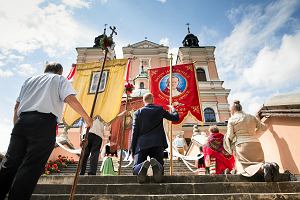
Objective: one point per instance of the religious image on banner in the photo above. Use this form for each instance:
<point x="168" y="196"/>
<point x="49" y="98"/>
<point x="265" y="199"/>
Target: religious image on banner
<point x="185" y="95"/>
<point x="95" y="80"/>
<point x="111" y="89"/>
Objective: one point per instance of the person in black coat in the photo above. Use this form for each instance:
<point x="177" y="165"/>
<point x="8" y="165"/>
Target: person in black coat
<point x="149" y="138"/>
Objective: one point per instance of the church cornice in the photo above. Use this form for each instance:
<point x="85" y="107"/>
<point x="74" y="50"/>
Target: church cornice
<point x="145" y="44"/>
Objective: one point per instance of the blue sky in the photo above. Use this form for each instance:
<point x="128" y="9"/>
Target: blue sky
<point x="257" y="42"/>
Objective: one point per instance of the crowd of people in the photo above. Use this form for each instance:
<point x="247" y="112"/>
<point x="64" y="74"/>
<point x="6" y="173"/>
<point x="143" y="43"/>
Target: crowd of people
<point x="39" y="108"/>
<point x="239" y="149"/>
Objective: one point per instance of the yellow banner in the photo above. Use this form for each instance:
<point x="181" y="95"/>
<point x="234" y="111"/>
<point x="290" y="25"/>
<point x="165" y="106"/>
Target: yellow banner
<point x="110" y="91"/>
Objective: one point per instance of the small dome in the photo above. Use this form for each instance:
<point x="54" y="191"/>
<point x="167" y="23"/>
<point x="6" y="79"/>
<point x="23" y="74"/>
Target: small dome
<point x="190" y="40"/>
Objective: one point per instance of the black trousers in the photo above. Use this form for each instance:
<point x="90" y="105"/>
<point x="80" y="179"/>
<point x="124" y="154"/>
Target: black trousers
<point x="31" y="143"/>
<point x="154" y="152"/>
<point x="93" y="148"/>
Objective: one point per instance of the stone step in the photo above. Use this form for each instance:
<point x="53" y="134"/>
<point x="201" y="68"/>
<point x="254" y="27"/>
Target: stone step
<point x="130" y="166"/>
<point x="56" y="179"/>
<point x="237" y="196"/>
<point x="172" y="188"/>
<point x="123" y="164"/>
<point x="124" y="170"/>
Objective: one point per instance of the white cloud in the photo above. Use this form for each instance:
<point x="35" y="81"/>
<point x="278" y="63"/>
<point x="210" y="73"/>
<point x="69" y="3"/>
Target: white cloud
<point x="162" y="1"/>
<point x="26" y="70"/>
<point x="120" y="43"/>
<point x="253" y="60"/>
<point x="5" y="131"/>
<point x="77" y="3"/>
<point x="6" y="73"/>
<point x="36" y="25"/>
<point x="251" y="102"/>
<point x="206" y="34"/>
<point x="255" y="27"/>
<point x="165" y="41"/>
<point x="276" y="68"/>
<point x="29" y="26"/>
<point x="174" y="51"/>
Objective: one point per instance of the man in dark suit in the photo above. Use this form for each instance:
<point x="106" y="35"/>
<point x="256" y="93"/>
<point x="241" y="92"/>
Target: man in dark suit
<point x="149" y="138"/>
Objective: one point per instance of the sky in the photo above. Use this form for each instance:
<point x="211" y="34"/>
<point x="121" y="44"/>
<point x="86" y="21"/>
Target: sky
<point x="257" y="42"/>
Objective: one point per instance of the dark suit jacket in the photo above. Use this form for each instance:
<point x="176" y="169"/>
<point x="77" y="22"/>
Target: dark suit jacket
<point x="147" y="127"/>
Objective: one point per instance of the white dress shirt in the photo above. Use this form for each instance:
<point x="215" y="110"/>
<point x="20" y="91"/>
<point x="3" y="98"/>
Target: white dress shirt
<point x="45" y="93"/>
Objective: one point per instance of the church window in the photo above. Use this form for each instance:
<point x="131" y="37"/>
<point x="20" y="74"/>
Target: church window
<point x="201" y="76"/>
<point x="209" y="115"/>
<point x="142" y="85"/>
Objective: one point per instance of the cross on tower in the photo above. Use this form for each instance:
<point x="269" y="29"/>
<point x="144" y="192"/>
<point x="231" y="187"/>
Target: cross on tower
<point x="188" y="25"/>
<point x="113" y="31"/>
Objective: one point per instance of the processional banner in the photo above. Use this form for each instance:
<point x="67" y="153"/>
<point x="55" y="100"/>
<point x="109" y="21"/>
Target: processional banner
<point x="110" y="91"/>
<point x="185" y="96"/>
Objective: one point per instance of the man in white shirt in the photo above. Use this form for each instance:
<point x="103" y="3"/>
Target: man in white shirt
<point x="38" y="109"/>
<point x="95" y="137"/>
<point x="94" y="142"/>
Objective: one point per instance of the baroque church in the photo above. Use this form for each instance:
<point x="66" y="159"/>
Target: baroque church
<point x="148" y="54"/>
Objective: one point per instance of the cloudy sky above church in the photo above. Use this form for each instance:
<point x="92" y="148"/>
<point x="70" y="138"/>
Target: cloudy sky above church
<point x="257" y="42"/>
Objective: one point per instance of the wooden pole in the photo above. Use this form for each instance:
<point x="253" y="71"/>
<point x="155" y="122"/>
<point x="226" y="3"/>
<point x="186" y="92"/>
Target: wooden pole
<point x="170" y="122"/>
<point x="122" y="135"/>
<point x="74" y="185"/>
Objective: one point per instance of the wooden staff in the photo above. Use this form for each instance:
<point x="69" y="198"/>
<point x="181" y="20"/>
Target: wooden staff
<point x="122" y="134"/>
<point x="170" y="122"/>
<point x="73" y="190"/>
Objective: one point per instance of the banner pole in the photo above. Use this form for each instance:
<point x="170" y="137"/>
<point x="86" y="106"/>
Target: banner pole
<point x="170" y="122"/>
<point x="122" y="135"/>
<point x="75" y="181"/>
<point x="74" y="185"/>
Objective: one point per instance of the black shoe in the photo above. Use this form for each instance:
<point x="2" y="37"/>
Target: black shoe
<point x="142" y="175"/>
<point x="268" y="172"/>
<point x="157" y="173"/>
<point x="291" y="177"/>
<point x="275" y="172"/>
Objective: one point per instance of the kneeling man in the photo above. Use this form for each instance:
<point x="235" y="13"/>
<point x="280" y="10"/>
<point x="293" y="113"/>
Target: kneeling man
<point x="149" y="138"/>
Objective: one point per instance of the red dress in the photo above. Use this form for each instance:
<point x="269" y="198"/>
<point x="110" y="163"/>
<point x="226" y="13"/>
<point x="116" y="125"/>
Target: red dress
<point x="214" y="148"/>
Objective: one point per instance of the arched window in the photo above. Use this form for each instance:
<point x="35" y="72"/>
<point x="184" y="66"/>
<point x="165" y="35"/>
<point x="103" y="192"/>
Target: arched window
<point x="201" y="74"/>
<point x="142" y="85"/>
<point x="209" y="115"/>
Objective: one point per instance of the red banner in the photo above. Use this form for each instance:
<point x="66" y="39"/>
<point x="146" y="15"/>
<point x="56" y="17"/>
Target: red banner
<point x="184" y="89"/>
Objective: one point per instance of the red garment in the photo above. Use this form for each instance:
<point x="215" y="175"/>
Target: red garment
<point x="214" y="148"/>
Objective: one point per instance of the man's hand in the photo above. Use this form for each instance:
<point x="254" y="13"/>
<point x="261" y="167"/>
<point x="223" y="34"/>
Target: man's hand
<point x="171" y="108"/>
<point x="83" y="143"/>
<point x="88" y="121"/>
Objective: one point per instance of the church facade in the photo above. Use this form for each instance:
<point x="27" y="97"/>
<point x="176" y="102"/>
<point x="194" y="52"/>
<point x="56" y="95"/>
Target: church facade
<point x="148" y="54"/>
<point x="213" y="96"/>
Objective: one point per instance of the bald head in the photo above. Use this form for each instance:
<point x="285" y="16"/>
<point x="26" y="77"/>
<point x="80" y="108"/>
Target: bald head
<point x="148" y="98"/>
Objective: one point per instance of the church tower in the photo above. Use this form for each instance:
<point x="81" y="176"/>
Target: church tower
<point x="213" y="95"/>
<point x="147" y="55"/>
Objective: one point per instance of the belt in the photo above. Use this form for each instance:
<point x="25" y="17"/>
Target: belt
<point x="37" y="114"/>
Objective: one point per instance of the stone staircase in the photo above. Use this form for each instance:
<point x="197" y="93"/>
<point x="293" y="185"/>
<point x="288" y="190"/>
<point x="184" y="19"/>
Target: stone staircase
<point x="179" y="168"/>
<point x="183" y="186"/>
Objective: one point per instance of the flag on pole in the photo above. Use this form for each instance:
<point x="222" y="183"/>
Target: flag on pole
<point x="185" y="96"/>
<point x="110" y="91"/>
<point x="72" y="72"/>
